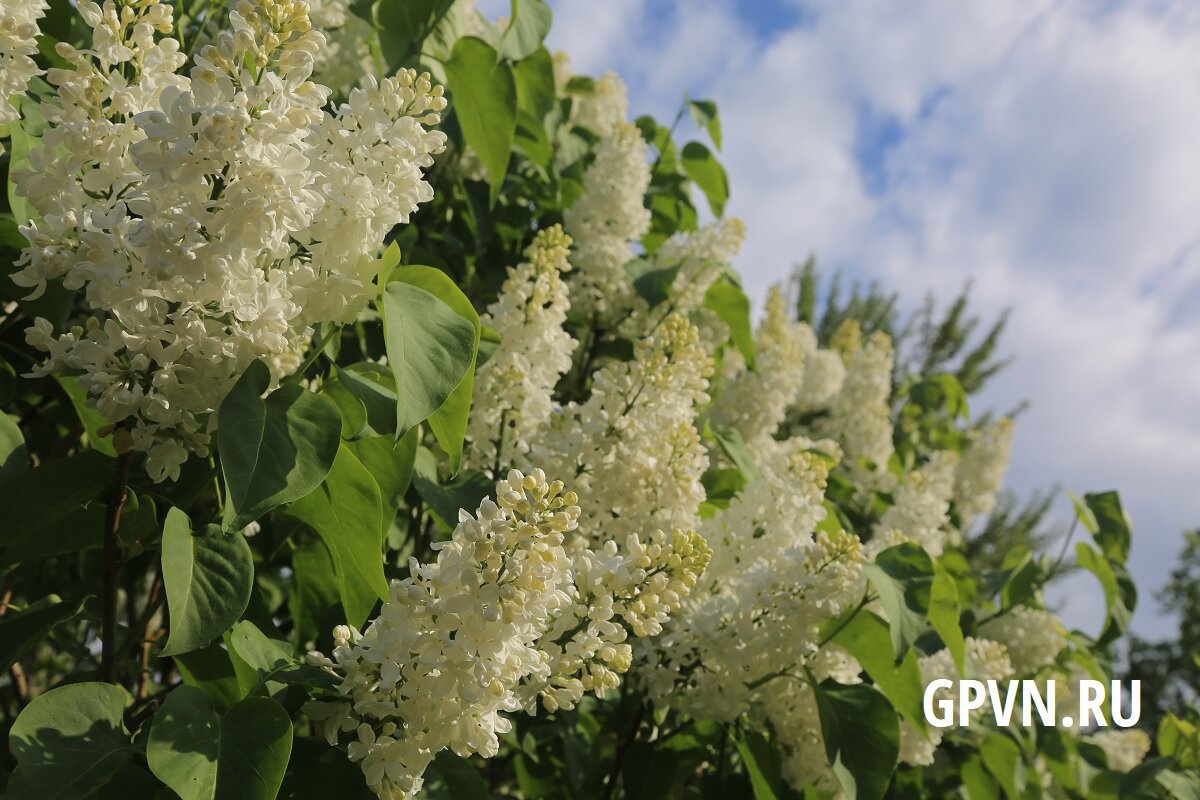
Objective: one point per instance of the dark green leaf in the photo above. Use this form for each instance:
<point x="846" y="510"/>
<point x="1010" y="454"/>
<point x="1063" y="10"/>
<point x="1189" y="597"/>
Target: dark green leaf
<point x="208" y="576"/>
<point x="903" y="576"/>
<point x="1112" y="533"/>
<point x="862" y="737"/>
<point x="346" y="512"/>
<point x="56" y="508"/>
<point x="483" y="95"/>
<point x="212" y="670"/>
<point x="944" y="614"/>
<point x="866" y="637"/>
<point x="1120" y="595"/>
<point x="651" y="284"/>
<point x="272" y="451"/>
<point x="1002" y="757"/>
<point x="701" y="166"/>
<point x="69" y="741"/>
<point x="404" y="26"/>
<point x="14" y="456"/>
<point x="762" y="765"/>
<point x="21" y="630"/>
<point x="465" y="492"/>
<point x="704" y="113"/>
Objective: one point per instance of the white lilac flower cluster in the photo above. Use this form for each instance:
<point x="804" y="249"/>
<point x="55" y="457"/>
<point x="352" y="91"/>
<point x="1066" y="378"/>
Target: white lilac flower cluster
<point x="632" y="447"/>
<point x="514" y="387"/>
<point x="744" y="639"/>
<point x="606" y="218"/>
<point x="346" y="56"/>
<point x="1033" y="637"/>
<point x="984" y="660"/>
<point x="504" y="617"/>
<point x="1124" y="749"/>
<point x="18" y="43"/>
<point x="860" y="418"/>
<point x="921" y="505"/>
<point x="754" y="402"/>
<point x="981" y="470"/>
<point x="213" y="218"/>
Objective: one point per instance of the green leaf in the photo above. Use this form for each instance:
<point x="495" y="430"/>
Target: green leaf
<point x="69" y="741"/>
<point x="862" y="737"/>
<point x="651" y="284"/>
<point x="14" y="456"/>
<point x="20" y="631"/>
<point x="374" y="387"/>
<point x="734" y="448"/>
<point x="202" y="756"/>
<point x="944" y="614"/>
<point x="866" y="637"/>
<point x="534" y="75"/>
<point x="729" y="302"/>
<point x="1002" y="757"/>
<point x="259" y="651"/>
<point x="93" y="421"/>
<point x="404" y="26"/>
<point x="483" y="95"/>
<point x="272" y="451"/>
<point x="391" y="465"/>
<point x="704" y="113"/>
<point x="701" y="166"/>
<point x="449" y="421"/>
<point x="55" y="508"/>
<point x="903" y="576"/>
<point x="430" y="346"/>
<point x="1112" y="525"/>
<point x="346" y="512"/>
<point x="465" y="492"/>
<point x="211" y="669"/>
<point x="1120" y="594"/>
<point x="208" y="576"/>
<point x="762" y="765"/>
<point x="20" y="143"/>
<point x="314" y="601"/>
<point x="528" y="25"/>
<point x="1178" y="739"/>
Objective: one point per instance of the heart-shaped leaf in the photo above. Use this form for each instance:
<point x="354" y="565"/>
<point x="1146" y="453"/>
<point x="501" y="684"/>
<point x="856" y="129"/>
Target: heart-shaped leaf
<point x="273" y="451"/>
<point x="208" y="576"/>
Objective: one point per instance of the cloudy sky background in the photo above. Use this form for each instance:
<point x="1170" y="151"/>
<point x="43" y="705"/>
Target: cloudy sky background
<point x="1048" y="150"/>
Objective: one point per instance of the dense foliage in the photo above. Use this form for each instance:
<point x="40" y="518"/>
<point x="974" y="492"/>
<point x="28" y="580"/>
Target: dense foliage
<point x="381" y="420"/>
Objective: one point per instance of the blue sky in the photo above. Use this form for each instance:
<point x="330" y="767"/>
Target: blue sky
<point x="1047" y="150"/>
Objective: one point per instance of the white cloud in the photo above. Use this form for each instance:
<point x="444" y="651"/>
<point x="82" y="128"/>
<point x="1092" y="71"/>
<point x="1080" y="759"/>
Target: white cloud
<point x="1050" y="151"/>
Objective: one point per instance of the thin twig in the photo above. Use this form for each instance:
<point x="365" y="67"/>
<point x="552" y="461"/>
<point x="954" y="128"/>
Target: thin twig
<point x="112" y="563"/>
<point x="151" y="635"/>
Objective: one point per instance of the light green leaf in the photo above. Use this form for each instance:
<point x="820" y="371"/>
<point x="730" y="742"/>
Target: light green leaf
<point x="528" y="25"/>
<point x="903" y="576"/>
<point x="432" y="336"/>
<point x="701" y="166"/>
<point x="69" y="741"/>
<point x="1002" y="757"/>
<point x="483" y="95"/>
<point x="734" y="448"/>
<point x="729" y="302"/>
<point x="345" y="511"/>
<point x="1120" y="594"/>
<point x="404" y="26"/>
<point x="704" y="113"/>
<point x="944" y="614"/>
<point x="202" y="756"/>
<point x="14" y="456"/>
<point x="91" y="418"/>
<point x="20" y="631"/>
<point x="208" y="576"/>
<point x="762" y="765"/>
<point x="211" y="669"/>
<point x="866" y="637"/>
<point x="374" y="387"/>
<point x="534" y="75"/>
<point x="862" y="737"/>
<point x="272" y="451"/>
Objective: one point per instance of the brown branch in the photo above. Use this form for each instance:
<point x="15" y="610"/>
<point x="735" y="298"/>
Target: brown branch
<point x="112" y="564"/>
